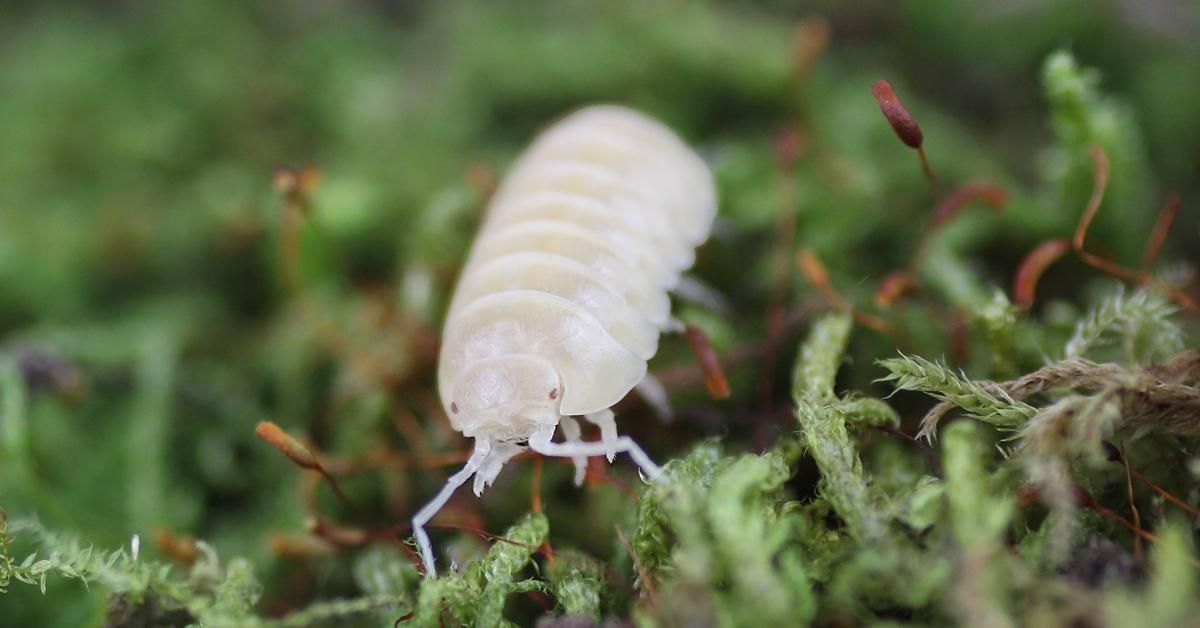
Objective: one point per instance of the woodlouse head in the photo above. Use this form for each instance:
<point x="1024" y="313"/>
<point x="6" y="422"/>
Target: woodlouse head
<point x="506" y="398"/>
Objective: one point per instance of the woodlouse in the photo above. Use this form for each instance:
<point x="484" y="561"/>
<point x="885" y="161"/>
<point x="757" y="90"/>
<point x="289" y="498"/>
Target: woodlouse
<point x="564" y="294"/>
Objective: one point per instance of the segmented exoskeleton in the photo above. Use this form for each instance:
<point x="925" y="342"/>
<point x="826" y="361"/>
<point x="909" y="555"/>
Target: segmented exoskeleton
<point x="564" y="295"/>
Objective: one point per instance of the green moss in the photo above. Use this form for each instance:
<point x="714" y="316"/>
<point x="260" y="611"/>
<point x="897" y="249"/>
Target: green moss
<point x="148" y="319"/>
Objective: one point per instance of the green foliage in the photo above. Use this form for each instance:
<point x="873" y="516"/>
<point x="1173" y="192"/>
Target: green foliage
<point x="1142" y="321"/>
<point x="823" y="423"/>
<point x="981" y="400"/>
<point x="732" y="540"/>
<point x="577" y="582"/>
<point x="1082" y="117"/>
<point x="158" y="298"/>
<point x="476" y="596"/>
<point x="209" y="594"/>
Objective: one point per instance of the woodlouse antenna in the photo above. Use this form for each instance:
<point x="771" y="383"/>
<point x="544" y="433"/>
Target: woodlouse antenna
<point x="904" y="125"/>
<point x="1033" y="266"/>
<point x="714" y="376"/>
<point x="426" y="513"/>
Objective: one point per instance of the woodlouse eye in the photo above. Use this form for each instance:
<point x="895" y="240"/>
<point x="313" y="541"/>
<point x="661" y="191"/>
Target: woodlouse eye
<point x="454" y="407"/>
<point x="554" y="393"/>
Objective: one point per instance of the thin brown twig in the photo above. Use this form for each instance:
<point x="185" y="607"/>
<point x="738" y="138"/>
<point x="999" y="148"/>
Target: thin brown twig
<point x="409" y="427"/>
<point x="930" y="178"/>
<point x="1085" y="499"/>
<point x="596" y="470"/>
<point x="385" y="458"/>
<point x="683" y="375"/>
<point x="926" y="452"/>
<point x="950" y="207"/>
<point x="637" y="564"/>
<point x="483" y="533"/>
<point x="1164" y="492"/>
<point x="300" y="455"/>
<point x="814" y="270"/>
<point x="893" y="286"/>
<point x="1117" y="455"/>
<point x="714" y="376"/>
<point x="536" y="489"/>
<point x="295" y="186"/>
<point x="1033" y="267"/>
<point x="1162" y="225"/>
<point x="788" y="145"/>
<point x="1099" y="185"/>
<point x="1137" y="516"/>
<point x="810" y="38"/>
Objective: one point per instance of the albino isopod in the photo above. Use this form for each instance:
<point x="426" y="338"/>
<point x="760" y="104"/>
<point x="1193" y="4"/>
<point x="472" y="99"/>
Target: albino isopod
<point x="564" y="294"/>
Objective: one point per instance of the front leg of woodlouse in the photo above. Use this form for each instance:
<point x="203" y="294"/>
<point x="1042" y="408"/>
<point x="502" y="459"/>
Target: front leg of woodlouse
<point x="654" y="394"/>
<point x="571" y="432"/>
<point x="542" y="444"/>
<point x="482" y="448"/>
<point x="607" y="423"/>
<point x="696" y="291"/>
<point x="500" y="454"/>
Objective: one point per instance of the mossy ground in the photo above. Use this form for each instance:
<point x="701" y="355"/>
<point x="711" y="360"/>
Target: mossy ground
<point x="161" y="292"/>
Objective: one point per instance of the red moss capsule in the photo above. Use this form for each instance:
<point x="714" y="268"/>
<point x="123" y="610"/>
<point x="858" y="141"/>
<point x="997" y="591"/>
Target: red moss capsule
<point x="903" y="124"/>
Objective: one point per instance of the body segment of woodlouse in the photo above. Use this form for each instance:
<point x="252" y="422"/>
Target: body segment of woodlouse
<point x="564" y="295"/>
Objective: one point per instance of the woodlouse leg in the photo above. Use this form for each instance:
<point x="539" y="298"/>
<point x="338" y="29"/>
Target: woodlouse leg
<point x="492" y="463"/>
<point x="607" y="423"/>
<point x="653" y="392"/>
<point x="692" y="289"/>
<point x="541" y="443"/>
<point x="482" y="448"/>
<point x="573" y="434"/>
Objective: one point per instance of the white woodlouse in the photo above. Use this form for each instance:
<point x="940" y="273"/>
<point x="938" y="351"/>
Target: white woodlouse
<point x="564" y="294"/>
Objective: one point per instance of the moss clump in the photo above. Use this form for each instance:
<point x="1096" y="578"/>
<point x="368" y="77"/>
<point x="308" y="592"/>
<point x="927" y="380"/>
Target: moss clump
<point x="171" y="274"/>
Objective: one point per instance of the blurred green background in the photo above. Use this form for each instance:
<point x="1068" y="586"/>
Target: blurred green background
<point x="146" y="319"/>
